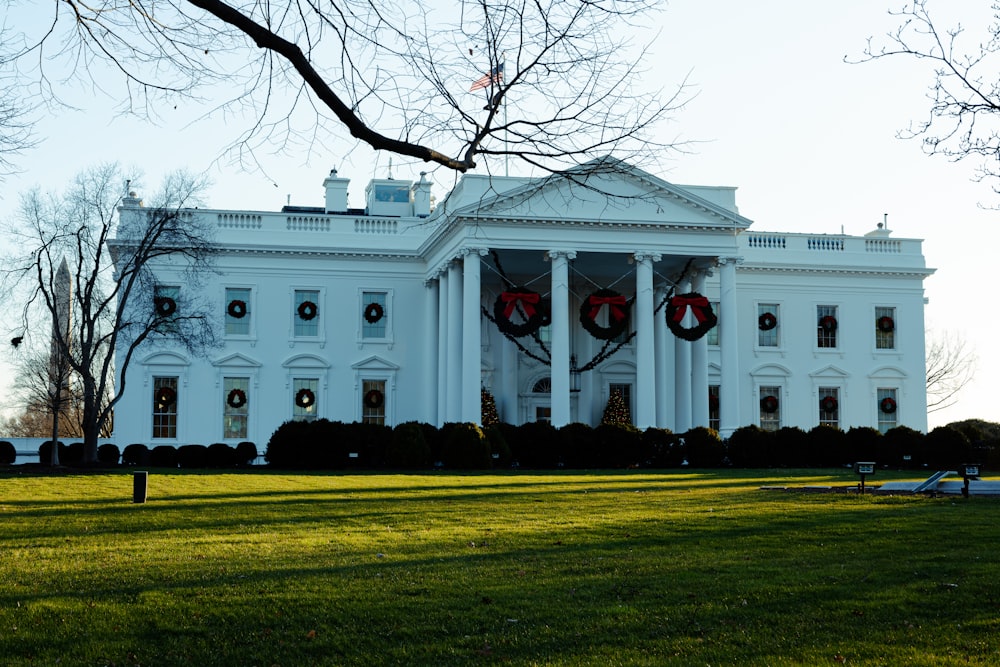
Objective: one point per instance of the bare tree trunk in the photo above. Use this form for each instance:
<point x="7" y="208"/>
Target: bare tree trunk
<point x="54" y="456"/>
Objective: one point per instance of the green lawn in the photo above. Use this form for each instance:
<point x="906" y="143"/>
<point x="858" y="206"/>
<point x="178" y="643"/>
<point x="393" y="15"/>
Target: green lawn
<point x="611" y="568"/>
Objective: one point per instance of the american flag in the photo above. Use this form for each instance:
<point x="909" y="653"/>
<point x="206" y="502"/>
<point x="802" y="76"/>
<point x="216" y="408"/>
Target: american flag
<point x="495" y="76"/>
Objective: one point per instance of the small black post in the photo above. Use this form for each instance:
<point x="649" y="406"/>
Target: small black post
<point x="139" y="484"/>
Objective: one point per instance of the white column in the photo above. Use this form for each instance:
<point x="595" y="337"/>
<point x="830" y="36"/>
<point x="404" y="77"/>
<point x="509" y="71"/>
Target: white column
<point x="560" y="336"/>
<point x="729" y="386"/>
<point x="664" y="412"/>
<point x="431" y="364"/>
<point x="442" y="353"/>
<point x="699" y="365"/>
<point x="645" y="353"/>
<point x="453" y="411"/>
<point x="472" y="344"/>
<point x="682" y="376"/>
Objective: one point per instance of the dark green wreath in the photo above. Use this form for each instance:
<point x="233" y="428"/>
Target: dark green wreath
<point x="618" y="311"/>
<point x="769" y="404"/>
<point x="374" y="399"/>
<point x="528" y="303"/>
<point x="237" y="308"/>
<point x="374" y="312"/>
<point x="700" y="307"/>
<point x="308" y="310"/>
<point x="165" y="306"/>
<point x="767" y="321"/>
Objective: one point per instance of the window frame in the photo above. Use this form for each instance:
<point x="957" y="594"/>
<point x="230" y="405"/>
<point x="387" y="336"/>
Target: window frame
<point x="769" y="421"/>
<point x="886" y="420"/>
<point x="828" y="418"/>
<point x="388" y="338"/>
<point x="775" y="309"/>
<point x="320" y="335"/>
<point x="242" y="413"/>
<point x="172" y="417"/>
<point x="310" y="413"/>
<point x="881" y="337"/>
<point x="248" y="319"/>
<point x="827" y="341"/>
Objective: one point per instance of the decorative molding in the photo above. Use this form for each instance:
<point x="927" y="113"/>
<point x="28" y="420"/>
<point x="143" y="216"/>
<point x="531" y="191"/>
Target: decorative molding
<point x="567" y="254"/>
<point x="643" y="255"/>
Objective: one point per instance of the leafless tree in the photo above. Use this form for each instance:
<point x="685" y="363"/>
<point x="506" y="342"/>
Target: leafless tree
<point x="964" y="116"/>
<point x="951" y="364"/>
<point x="115" y="306"/>
<point x="558" y="82"/>
<point x="15" y="126"/>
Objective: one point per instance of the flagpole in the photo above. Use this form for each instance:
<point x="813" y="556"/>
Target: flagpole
<point x="506" y="131"/>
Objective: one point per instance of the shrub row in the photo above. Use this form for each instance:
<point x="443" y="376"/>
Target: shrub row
<point x="324" y="444"/>
<point x="218" y="455"/>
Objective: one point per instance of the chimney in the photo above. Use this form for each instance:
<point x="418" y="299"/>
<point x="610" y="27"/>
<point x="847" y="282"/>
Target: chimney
<point x="421" y="196"/>
<point x="336" y="193"/>
<point x="130" y="215"/>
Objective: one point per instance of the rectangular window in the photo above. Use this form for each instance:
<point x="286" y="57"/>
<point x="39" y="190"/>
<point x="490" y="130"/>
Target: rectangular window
<point x="164" y="407"/>
<point x="885" y="328"/>
<point x="305" y="395"/>
<point x="166" y="302"/>
<point x="886" y="409"/>
<point x="770" y="408"/>
<point x="829" y="406"/>
<point x="713" y="334"/>
<point x="237" y="311"/>
<point x="373" y="402"/>
<point x="767" y="325"/>
<point x="235" y="409"/>
<point x="713" y="406"/>
<point x="375" y="315"/>
<point x="626" y="393"/>
<point x="826" y="326"/>
<point x="306" y="304"/>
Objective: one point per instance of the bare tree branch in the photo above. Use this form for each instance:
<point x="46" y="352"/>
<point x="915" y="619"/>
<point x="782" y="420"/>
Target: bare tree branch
<point x="393" y="75"/>
<point x="964" y="116"/>
<point x="951" y="365"/>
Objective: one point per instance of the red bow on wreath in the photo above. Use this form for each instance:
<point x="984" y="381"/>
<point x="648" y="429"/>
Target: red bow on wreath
<point x="613" y="302"/>
<point x="527" y="300"/>
<point x="696" y="303"/>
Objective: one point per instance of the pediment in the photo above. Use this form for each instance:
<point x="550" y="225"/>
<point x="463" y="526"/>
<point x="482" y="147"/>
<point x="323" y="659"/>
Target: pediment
<point x="608" y="191"/>
<point x="887" y="373"/>
<point x="165" y="359"/>
<point x="830" y="371"/>
<point x="375" y="363"/>
<point x="237" y="360"/>
<point x="305" y="361"/>
<point x="771" y="370"/>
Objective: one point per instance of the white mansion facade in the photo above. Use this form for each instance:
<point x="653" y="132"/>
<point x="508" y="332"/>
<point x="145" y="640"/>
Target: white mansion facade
<point x="395" y="313"/>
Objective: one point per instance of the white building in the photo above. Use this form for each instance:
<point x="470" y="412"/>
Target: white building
<point x="387" y="314"/>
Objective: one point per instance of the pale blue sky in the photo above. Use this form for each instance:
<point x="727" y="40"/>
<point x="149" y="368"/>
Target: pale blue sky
<point x="808" y="140"/>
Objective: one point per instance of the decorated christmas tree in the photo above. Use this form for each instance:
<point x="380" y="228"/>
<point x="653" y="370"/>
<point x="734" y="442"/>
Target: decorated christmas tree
<point x="490" y="415"/>
<point x="616" y="412"/>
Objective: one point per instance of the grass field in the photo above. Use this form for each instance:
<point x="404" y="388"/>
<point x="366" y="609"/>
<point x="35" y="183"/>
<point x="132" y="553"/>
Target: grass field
<point x="617" y="568"/>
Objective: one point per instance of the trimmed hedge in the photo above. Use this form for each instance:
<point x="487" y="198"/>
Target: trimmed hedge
<point x="135" y="454"/>
<point x="108" y="454"/>
<point x="163" y="456"/>
<point x="8" y="454"/>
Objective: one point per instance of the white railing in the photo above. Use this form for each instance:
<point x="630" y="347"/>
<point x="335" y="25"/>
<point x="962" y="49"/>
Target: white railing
<point x="310" y="223"/>
<point x="883" y="246"/>
<point x="376" y="226"/>
<point x="240" y="221"/>
<point x="825" y="243"/>
<point x="765" y="241"/>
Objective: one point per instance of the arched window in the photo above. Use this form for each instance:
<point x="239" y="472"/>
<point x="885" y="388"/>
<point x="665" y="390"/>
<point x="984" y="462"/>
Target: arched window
<point x="543" y="386"/>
